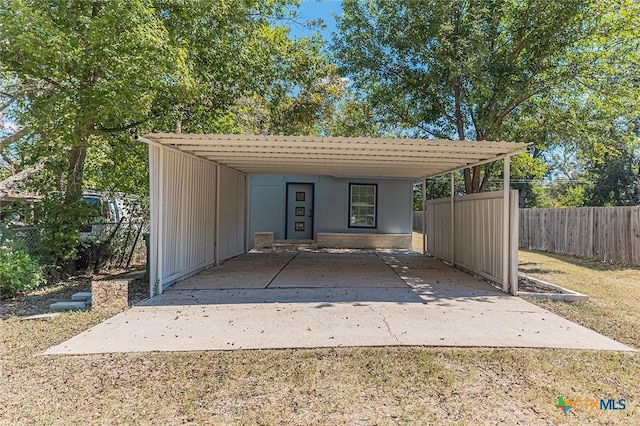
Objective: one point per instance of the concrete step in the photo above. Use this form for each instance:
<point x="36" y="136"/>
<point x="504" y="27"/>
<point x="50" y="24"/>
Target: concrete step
<point x="294" y="246"/>
<point x="81" y="296"/>
<point x="67" y="306"/>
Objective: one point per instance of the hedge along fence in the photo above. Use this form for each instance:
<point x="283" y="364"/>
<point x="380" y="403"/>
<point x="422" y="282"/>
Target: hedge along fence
<point x="609" y="234"/>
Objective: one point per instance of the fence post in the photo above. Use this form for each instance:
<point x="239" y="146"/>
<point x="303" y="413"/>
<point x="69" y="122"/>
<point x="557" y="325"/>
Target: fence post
<point x="453" y="223"/>
<point x="505" y="225"/>
<point x="424" y="215"/>
<point x="514" y="237"/>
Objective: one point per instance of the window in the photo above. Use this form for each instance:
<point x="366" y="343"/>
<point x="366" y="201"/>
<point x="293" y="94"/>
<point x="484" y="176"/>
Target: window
<point x="362" y="205"/>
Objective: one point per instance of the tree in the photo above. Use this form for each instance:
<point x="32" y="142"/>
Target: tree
<point x="355" y="117"/>
<point x="615" y="176"/>
<point x="300" y="99"/>
<point x="85" y="76"/>
<point x="463" y="70"/>
<point x="93" y="68"/>
<point x="99" y="67"/>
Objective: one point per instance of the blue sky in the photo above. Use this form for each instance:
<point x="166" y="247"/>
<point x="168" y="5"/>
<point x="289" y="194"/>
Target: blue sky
<point x="318" y="9"/>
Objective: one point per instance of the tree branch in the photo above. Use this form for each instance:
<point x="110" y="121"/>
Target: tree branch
<point x="433" y="133"/>
<point x="8" y="185"/>
<point x="435" y="101"/>
<point x="488" y="169"/>
<point x="14" y="137"/>
<point x="9" y="163"/>
<point x="13" y="97"/>
<point x="512" y="105"/>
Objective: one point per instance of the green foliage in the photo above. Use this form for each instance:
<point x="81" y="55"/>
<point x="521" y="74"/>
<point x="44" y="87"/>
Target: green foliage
<point x="239" y="62"/>
<point x="84" y="78"/>
<point x="615" y="178"/>
<point x="477" y="70"/>
<point x="355" y="117"/>
<point x="58" y="223"/>
<point x="569" y="195"/>
<point x="89" y="69"/>
<point x="98" y="65"/>
<point x="438" y="187"/>
<point x="303" y="97"/>
<point x="118" y="164"/>
<point x="19" y="272"/>
<point x="537" y="197"/>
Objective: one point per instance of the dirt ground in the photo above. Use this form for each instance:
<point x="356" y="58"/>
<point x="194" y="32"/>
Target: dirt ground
<point x="38" y="301"/>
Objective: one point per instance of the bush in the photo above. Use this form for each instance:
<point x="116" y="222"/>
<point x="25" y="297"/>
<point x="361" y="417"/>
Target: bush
<point x="18" y="271"/>
<point x="58" y="223"/>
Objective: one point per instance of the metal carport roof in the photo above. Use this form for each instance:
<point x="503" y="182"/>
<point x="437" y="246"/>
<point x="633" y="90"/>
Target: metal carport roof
<point x="339" y="156"/>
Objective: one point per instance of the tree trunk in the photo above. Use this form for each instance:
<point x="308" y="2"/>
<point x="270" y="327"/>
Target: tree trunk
<point x="466" y="173"/>
<point x="522" y="196"/>
<point x="73" y="194"/>
<point x="75" y="174"/>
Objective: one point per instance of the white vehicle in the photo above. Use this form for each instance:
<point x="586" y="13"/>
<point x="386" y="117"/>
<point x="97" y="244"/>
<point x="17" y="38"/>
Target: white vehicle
<point x="111" y="212"/>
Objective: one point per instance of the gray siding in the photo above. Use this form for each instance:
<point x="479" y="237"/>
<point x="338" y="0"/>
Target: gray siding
<point x="331" y="204"/>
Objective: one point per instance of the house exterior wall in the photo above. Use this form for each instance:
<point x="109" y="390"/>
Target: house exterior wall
<point x="267" y="204"/>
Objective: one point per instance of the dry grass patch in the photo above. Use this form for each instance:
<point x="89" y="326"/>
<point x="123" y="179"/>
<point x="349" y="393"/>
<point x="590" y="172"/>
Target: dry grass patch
<point x="614" y="308"/>
<point x="317" y="386"/>
<point x="326" y="386"/>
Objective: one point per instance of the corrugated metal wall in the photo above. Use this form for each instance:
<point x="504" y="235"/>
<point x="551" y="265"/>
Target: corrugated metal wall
<point x="184" y="197"/>
<point x="478" y="230"/>
<point x="232" y="213"/>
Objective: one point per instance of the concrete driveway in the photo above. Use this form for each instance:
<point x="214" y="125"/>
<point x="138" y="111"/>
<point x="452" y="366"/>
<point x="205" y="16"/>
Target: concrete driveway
<point x="332" y="298"/>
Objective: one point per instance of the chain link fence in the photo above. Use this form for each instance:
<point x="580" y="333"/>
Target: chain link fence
<point x="113" y="245"/>
<point x="24" y="237"/>
<point x="107" y="246"/>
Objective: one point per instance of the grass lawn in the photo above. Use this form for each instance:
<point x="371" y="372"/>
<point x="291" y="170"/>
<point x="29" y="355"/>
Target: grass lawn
<point x="331" y="386"/>
<point x="614" y="308"/>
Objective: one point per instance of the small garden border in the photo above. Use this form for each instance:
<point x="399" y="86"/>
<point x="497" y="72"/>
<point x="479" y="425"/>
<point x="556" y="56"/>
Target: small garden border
<point x="558" y="292"/>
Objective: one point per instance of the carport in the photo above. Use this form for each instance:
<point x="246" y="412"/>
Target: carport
<point x="199" y="204"/>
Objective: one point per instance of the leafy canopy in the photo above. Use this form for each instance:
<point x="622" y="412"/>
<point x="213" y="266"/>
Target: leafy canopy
<point x="458" y="69"/>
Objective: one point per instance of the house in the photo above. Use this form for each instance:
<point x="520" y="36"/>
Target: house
<point x="213" y="196"/>
<point x="333" y="211"/>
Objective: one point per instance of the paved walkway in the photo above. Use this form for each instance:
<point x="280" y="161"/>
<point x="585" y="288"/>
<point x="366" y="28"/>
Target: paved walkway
<point x="328" y="299"/>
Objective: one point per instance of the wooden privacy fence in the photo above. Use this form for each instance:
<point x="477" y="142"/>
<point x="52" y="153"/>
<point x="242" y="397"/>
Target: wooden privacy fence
<point x="609" y="234"/>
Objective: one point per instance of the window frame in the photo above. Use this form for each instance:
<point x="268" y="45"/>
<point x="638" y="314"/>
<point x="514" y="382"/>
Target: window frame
<point x="375" y="205"/>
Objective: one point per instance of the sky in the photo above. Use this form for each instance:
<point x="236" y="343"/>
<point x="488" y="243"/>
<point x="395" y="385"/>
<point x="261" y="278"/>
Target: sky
<point x="317" y="9"/>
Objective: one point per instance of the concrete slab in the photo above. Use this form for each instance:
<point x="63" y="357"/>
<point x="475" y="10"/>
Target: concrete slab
<point x="440" y="306"/>
<point x="332" y="270"/>
<point x="331" y="324"/>
<point x="285" y="295"/>
<point x="252" y="270"/>
<point x="67" y="306"/>
<point x="81" y="296"/>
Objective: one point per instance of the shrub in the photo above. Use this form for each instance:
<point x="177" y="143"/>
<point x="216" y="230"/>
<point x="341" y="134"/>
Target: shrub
<point x="58" y="223"/>
<point x="18" y="271"/>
